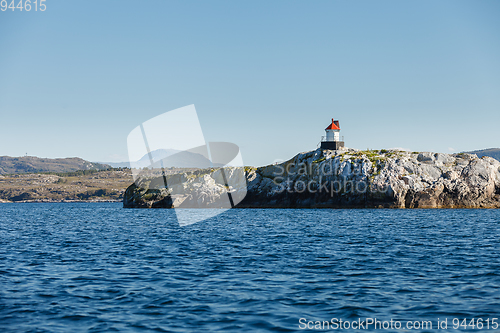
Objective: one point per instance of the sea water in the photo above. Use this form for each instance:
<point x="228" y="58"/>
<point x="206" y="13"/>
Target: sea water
<point x="76" y="267"/>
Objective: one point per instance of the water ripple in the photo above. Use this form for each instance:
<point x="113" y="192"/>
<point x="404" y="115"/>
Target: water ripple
<point x="100" y="268"/>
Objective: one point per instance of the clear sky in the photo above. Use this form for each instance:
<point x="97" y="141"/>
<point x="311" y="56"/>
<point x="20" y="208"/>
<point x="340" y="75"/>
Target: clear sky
<point x="265" y="75"/>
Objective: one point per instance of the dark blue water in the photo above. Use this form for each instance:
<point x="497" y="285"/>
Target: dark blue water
<point x="99" y="267"/>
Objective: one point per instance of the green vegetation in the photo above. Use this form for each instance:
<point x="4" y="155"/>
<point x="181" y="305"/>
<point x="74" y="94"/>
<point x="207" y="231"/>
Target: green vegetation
<point x="94" y="194"/>
<point x="320" y="160"/>
<point x="153" y="194"/>
<point x="373" y="156"/>
<point x="249" y="169"/>
<point x="80" y="173"/>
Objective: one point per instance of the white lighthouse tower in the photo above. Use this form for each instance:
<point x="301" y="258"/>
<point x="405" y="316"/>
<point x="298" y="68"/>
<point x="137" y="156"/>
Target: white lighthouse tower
<point x="332" y="139"/>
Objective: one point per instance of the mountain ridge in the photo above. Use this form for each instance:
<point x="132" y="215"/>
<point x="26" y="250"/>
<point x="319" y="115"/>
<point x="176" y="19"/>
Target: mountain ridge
<point x="168" y="158"/>
<point x="33" y="164"/>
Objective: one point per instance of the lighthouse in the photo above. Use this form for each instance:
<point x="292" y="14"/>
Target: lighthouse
<point x="332" y="138"/>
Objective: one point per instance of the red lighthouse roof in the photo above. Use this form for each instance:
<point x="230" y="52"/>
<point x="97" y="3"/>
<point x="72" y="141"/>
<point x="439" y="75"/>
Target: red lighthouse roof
<point x="334" y="125"/>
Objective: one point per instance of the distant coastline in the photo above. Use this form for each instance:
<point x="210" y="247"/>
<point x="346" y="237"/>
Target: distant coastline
<point x="62" y="201"/>
<point x="98" y="183"/>
<point x="79" y="186"/>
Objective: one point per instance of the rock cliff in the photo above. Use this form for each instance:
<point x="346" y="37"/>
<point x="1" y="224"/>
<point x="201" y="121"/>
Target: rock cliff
<point x="337" y="179"/>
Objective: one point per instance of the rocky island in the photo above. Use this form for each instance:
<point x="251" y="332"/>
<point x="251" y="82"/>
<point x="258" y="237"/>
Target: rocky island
<point x="323" y="178"/>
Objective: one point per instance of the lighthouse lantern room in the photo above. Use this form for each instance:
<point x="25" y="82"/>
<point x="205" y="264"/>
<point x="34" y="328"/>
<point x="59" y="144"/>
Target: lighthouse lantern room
<point x="332" y="139"/>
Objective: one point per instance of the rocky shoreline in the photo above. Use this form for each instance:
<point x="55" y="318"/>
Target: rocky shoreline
<point x="346" y="178"/>
<point x="60" y="201"/>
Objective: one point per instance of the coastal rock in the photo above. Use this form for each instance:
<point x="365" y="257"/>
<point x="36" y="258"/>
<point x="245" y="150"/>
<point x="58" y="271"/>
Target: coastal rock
<point x="338" y="179"/>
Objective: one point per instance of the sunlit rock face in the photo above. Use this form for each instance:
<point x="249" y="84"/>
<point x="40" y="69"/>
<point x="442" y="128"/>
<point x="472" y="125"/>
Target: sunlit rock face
<point x="337" y="179"/>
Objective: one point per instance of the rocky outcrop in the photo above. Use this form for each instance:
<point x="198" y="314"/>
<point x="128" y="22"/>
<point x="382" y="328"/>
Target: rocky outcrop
<point x="205" y="188"/>
<point x="337" y="179"/>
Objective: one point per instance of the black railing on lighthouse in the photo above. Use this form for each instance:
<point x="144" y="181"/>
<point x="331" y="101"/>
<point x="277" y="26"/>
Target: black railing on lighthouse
<point x="323" y="137"/>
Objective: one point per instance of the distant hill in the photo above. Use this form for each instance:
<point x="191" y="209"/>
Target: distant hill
<point x="117" y="164"/>
<point x="491" y="152"/>
<point x="159" y="154"/>
<point x="32" y="164"/>
<point x="169" y="158"/>
<point x="144" y="161"/>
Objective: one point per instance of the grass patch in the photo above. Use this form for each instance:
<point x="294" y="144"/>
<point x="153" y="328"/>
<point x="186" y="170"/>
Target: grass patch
<point x="320" y="160"/>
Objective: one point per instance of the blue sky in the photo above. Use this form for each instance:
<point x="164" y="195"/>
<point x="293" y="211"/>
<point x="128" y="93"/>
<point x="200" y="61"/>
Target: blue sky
<point x="265" y="75"/>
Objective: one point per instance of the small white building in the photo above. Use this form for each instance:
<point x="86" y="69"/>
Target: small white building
<point x="332" y="139"/>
